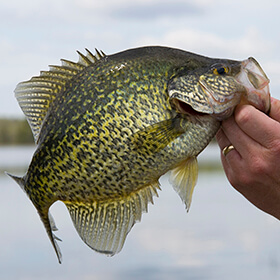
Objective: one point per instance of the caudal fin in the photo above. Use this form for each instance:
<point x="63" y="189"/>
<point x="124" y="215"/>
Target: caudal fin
<point x="46" y="218"/>
<point x="50" y="226"/>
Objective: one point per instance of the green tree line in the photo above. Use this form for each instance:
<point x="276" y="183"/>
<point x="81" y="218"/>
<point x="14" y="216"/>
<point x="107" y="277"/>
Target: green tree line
<point x="15" y="132"/>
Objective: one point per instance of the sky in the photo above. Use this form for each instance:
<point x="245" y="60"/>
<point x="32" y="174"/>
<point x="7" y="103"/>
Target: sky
<point x="35" y="34"/>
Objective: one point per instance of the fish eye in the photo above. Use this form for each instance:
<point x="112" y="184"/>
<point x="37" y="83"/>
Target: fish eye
<point x="220" y="70"/>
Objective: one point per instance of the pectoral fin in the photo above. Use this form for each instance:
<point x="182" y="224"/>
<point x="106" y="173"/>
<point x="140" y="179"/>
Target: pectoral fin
<point x="104" y="225"/>
<point x="157" y="136"/>
<point x="183" y="179"/>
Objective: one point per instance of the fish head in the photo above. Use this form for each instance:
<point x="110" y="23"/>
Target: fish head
<point x="217" y="88"/>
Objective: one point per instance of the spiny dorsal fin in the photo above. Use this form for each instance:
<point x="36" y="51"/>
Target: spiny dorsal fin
<point x="103" y="226"/>
<point x="183" y="179"/>
<point x="36" y="95"/>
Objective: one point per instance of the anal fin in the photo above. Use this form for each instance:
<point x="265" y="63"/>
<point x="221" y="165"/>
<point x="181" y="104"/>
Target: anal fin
<point x="183" y="179"/>
<point x="104" y="225"/>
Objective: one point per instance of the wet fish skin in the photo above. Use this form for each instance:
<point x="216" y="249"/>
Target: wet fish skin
<point x="110" y="126"/>
<point x="97" y="129"/>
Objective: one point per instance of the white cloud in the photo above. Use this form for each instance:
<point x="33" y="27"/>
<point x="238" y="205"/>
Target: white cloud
<point x="248" y="44"/>
<point x="35" y="34"/>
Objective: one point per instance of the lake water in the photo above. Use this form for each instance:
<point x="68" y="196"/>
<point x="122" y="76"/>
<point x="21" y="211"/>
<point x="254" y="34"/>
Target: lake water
<point x="223" y="237"/>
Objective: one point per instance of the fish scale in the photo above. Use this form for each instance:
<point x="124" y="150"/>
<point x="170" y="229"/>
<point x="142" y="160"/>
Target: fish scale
<point x="108" y="127"/>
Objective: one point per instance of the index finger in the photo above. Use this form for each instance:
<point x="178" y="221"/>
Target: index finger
<point x="257" y="125"/>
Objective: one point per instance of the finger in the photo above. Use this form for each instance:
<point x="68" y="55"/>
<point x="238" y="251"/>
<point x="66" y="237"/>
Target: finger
<point x="258" y="126"/>
<point x="231" y="161"/>
<point x="275" y="109"/>
<point x="238" y="138"/>
<point x="224" y="142"/>
<point x="222" y="139"/>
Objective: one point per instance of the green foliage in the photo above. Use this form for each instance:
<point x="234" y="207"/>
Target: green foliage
<point x="15" y="132"/>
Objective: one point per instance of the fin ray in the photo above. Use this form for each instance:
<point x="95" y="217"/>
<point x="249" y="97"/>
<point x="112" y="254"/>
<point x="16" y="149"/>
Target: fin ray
<point x="46" y="218"/>
<point x="50" y="226"/>
<point x="157" y="136"/>
<point x="183" y="179"/>
<point x="104" y="225"/>
<point x="36" y="95"/>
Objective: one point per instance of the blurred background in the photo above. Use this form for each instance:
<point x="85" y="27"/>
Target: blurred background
<point x="223" y="236"/>
<point x="35" y="34"/>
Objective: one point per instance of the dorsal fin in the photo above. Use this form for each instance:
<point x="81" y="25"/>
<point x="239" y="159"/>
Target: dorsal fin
<point x="36" y="95"/>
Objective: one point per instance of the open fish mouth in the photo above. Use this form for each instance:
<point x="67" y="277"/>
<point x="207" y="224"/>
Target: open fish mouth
<point x="105" y="140"/>
<point x="249" y="86"/>
<point x="186" y="109"/>
<point x="253" y="78"/>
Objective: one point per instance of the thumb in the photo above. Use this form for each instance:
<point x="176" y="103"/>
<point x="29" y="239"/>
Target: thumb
<point x="275" y="109"/>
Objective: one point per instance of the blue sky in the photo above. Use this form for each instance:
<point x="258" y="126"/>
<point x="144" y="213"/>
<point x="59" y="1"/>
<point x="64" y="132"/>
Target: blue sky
<point x="35" y="34"/>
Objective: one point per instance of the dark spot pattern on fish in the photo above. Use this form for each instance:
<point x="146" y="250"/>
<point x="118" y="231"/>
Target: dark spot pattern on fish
<point x="107" y="128"/>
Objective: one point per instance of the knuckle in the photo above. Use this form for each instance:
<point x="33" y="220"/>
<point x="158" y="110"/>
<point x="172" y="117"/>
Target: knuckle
<point x="275" y="147"/>
<point x="250" y="172"/>
<point x="259" y="166"/>
<point x="242" y="116"/>
<point x="219" y="135"/>
<point x="244" y="179"/>
<point x="240" y="178"/>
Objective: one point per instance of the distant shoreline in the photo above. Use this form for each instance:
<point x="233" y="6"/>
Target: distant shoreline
<point x="15" y="132"/>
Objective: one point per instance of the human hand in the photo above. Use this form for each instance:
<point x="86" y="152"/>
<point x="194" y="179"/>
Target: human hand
<point x="253" y="167"/>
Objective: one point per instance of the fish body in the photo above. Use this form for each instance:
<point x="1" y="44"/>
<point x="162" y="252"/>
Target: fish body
<point x="108" y="127"/>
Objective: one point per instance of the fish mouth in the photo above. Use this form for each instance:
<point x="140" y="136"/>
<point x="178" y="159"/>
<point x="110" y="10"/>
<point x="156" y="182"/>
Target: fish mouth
<point x="256" y="83"/>
<point x="186" y="109"/>
<point x="221" y="106"/>
<point x="211" y="104"/>
<point x="253" y="88"/>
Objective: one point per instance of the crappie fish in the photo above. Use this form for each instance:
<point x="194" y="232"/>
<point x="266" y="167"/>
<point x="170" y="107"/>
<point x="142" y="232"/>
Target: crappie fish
<point x="109" y="126"/>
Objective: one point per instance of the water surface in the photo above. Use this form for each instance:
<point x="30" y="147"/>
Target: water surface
<point x="222" y="237"/>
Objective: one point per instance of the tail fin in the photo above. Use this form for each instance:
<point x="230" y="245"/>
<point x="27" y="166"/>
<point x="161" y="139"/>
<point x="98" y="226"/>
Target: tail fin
<point x="50" y="226"/>
<point x="46" y="218"/>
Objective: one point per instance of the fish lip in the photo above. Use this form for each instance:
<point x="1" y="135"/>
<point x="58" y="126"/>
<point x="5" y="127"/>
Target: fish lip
<point x="256" y="83"/>
<point x="210" y="108"/>
<point x="253" y="89"/>
<point x="251" y="67"/>
<point x="231" y="100"/>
